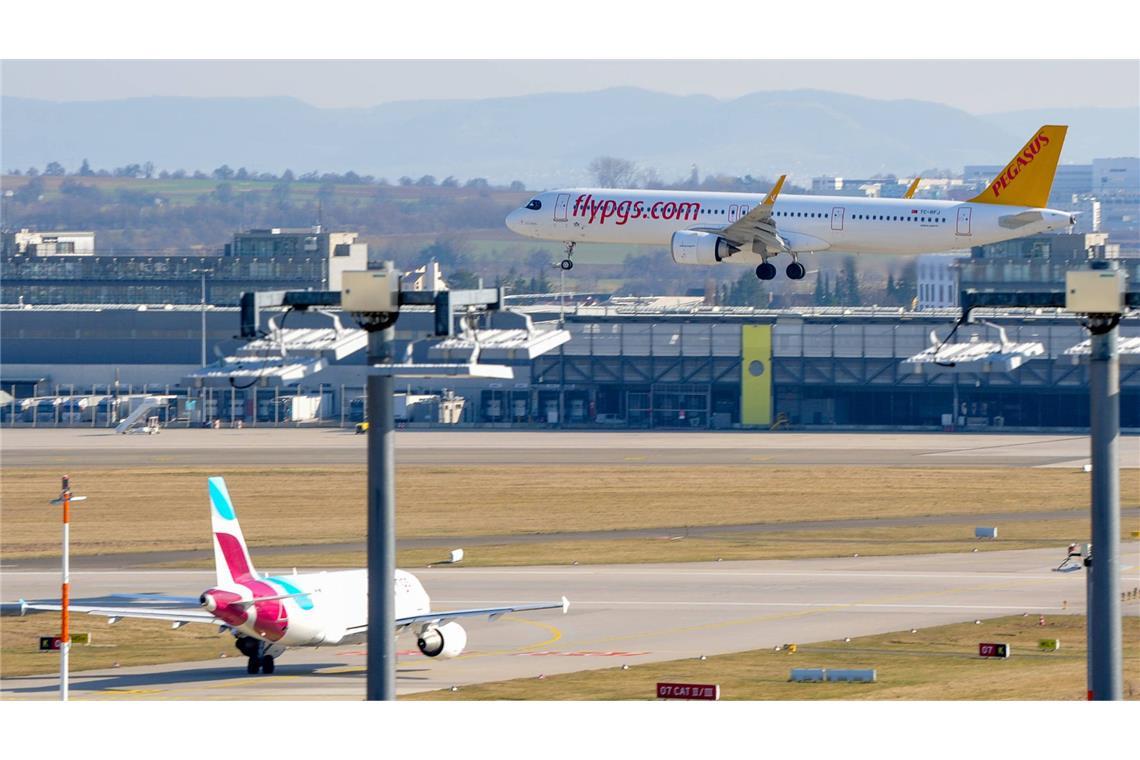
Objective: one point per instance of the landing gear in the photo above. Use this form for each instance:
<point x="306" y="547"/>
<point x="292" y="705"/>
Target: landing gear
<point x="766" y="271"/>
<point x="567" y="264"/>
<point x="256" y="658"/>
<point x="795" y="271"/>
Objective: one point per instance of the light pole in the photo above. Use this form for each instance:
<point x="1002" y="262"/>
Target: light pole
<point x="202" y="307"/>
<point x="65" y="499"/>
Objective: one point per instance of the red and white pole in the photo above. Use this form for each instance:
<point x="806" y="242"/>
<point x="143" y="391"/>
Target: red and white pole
<point x="65" y="592"/>
<point x="65" y="499"/>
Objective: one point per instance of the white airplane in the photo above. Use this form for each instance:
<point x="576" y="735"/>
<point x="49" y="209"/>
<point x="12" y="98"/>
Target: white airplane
<point x="267" y="614"/>
<point x="741" y="228"/>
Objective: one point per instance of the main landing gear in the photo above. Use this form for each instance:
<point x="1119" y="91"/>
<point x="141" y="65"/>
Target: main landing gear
<point x="567" y="264"/>
<point x="795" y="271"/>
<point x="264" y="663"/>
<point x="257" y="660"/>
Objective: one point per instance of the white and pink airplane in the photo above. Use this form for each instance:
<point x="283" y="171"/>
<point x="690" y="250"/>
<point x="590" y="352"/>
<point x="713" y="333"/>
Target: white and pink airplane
<point x="739" y="228"/>
<point x="268" y="614"/>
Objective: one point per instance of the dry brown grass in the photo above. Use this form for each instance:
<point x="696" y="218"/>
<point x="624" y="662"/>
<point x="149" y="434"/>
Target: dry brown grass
<point x="875" y="542"/>
<point x="152" y="509"/>
<point x="933" y="664"/>
<point x="130" y="642"/>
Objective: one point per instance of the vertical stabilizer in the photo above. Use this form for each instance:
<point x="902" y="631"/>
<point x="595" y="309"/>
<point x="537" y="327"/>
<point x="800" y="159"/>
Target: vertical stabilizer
<point x="1027" y="180"/>
<point x="231" y="557"/>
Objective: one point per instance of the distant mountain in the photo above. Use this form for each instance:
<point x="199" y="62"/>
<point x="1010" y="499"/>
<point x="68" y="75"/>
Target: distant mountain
<point x="544" y="140"/>
<point x="1093" y="132"/>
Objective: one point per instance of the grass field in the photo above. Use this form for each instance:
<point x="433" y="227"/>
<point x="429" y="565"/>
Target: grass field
<point x="932" y="664"/>
<point x="871" y="542"/>
<point x="130" y="642"/>
<point x="935" y="663"/>
<point x="154" y="509"/>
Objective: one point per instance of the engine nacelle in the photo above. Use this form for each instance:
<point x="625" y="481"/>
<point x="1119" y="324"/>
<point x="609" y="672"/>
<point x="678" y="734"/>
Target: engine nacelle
<point x="693" y="247"/>
<point x="445" y="641"/>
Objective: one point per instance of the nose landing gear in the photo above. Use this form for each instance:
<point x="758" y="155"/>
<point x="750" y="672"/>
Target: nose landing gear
<point x="566" y="263"/>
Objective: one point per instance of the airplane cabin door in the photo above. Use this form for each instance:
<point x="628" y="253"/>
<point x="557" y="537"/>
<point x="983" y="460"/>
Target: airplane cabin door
<point x="964" y="214"/>
<point x="560" y="207"/>
<point x="837" y="218"/>
<point x="732" y="213"/>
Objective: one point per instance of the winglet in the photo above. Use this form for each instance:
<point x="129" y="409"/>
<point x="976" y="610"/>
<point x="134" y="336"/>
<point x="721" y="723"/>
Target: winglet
<point x="770" y="198"/>
<point x="565" y="605"/>
<point x="913" y="186"/>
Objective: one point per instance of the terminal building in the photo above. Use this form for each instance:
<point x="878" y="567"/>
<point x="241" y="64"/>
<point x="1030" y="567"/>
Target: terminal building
<point x="664" y="368"/>
<point x="1035" y="262"/>
<point x="36" y="271"/>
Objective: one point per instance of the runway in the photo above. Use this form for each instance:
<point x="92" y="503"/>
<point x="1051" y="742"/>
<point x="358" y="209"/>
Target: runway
<point x="627" y="614"/>
<point x="82" y="447"/>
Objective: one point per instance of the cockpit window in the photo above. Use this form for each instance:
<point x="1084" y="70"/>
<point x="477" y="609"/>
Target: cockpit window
<point x="534" y="205"/>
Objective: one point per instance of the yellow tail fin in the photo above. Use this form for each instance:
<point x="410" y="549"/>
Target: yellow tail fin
<point x="1028" y="178"/>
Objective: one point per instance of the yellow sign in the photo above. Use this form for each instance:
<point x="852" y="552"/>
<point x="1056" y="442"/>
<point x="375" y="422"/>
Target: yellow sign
<point x="1049" y="645"/>
<point x="756" y="375"/>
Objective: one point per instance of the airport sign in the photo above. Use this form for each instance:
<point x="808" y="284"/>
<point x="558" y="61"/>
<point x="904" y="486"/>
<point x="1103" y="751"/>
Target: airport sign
<point x="993" y="650"/>
<point x="51" y="643"/>
<point x="688" y="691"/>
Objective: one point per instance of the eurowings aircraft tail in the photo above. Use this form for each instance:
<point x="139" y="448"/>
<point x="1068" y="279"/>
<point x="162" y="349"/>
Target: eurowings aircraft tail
<point x="231" y="557"/>
<point x="1028" y="178"/>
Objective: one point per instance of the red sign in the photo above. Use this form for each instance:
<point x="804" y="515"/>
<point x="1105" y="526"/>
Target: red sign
<point x="709" y="691"/>
<point x="993" y="650"/>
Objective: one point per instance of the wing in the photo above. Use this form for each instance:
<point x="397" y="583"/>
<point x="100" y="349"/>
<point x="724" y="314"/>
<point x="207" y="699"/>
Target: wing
<point x="491" y="613"/>
<point x="176" y="615"/>
<point x="755" y="230"/>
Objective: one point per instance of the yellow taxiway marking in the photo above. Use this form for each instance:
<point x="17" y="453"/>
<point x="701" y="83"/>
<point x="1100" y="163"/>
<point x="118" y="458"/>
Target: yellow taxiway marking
<point x="761" y="459"/>
<point x="556" y="636"/>
<point x="635" y="459"/>
<point x="246" y="681"/>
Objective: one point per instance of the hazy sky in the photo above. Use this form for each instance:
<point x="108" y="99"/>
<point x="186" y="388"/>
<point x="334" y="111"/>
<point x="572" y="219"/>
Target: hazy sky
<point x="974" y="86"/>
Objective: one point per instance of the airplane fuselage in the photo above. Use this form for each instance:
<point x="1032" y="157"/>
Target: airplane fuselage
<point x="809" y="223"/>
<point x="319" y="609"/>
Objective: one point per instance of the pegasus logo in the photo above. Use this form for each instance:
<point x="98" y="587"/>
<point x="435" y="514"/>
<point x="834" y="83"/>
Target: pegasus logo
<point x="1002" y="181"/>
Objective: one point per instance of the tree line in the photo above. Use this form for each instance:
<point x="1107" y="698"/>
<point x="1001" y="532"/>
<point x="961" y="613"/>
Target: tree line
<point x="225" y="173"/>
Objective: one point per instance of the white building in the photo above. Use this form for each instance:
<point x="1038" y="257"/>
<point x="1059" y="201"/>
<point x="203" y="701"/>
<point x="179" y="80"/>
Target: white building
<point x="938" y="280"/>
<point x="1115" y="176"/>
<point x="29" y="243"/>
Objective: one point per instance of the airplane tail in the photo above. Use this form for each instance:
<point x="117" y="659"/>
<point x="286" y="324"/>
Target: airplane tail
<point x="1028" y="178"/>
<point x="231" y="557"/>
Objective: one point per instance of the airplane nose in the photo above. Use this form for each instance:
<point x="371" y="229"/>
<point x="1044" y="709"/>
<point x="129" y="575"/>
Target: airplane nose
<point x="513" y="221"/>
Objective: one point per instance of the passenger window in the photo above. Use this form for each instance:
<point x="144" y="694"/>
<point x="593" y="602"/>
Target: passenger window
<point x="534" y="205"/>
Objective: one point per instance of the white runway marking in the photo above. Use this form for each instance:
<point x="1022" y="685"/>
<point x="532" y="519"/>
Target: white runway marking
<point x="860" y="605"/>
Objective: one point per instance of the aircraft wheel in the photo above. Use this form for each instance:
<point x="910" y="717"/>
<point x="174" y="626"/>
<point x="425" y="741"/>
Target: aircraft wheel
<point x="796" y="271"/>
<point x="267" y="665"/>
<point x="567" y="264"/>
<point x="766" y="271"/>
<point x="252" y="665"/>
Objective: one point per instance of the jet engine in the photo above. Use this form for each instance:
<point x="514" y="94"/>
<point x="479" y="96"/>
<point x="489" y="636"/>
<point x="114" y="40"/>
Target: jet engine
<point x="445" y="641"/>
<point x="693" y="247"/>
